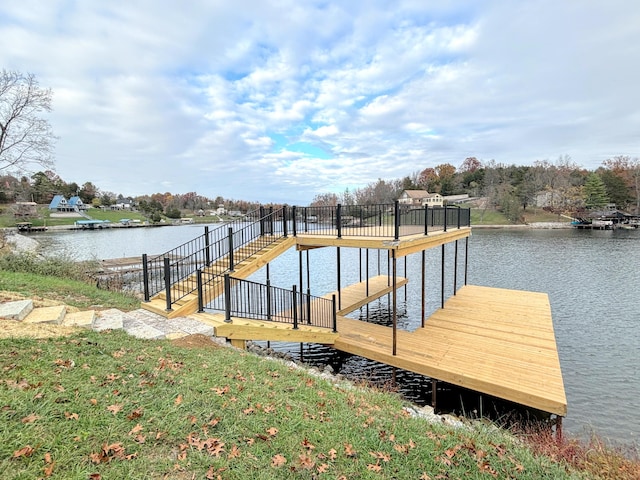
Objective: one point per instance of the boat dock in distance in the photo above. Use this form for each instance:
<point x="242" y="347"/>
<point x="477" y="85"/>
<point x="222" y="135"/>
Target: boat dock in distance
<point x="498" y="342"/>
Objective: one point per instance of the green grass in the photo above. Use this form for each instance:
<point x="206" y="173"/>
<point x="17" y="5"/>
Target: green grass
<point x="75" y="293"/>
<point x="106" y="405"/>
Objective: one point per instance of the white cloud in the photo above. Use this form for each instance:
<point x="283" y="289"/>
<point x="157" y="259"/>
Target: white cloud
<point x="150" y="96"/>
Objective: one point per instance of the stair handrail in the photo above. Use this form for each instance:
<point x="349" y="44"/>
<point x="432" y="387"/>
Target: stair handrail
<point x="169" y="271"/>
<point x="262" y="301"/>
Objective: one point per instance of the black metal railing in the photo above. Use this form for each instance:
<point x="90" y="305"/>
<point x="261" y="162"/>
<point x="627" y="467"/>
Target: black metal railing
<point x="247" y="299"/>
<point x="220" y="250"/>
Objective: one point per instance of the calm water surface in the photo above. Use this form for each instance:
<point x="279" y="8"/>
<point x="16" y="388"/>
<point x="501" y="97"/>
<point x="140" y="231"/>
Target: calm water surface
<point x="592" y="279"/>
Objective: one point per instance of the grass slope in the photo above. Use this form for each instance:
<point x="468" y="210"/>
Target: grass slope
<point x="106" y="405"/>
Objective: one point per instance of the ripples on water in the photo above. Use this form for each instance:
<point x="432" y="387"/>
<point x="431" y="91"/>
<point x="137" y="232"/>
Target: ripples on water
<point x="592" y="279"/>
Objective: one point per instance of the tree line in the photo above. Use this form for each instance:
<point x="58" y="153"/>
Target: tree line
<point x="560" y="187"/>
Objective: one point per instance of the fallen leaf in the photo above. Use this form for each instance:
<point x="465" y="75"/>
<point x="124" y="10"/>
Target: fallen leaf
<point x="374" y="467"/>
<point x="30" y="418"/>
<point x="25" y="451"/>
<point x="349" y="450"/>
<point x="323" y="468"/>
<point x="234" y="453"/>
<point x="306" y="461"/>
<point x="47" y="458"/>
<point x="71" y="416"/>
<point x="308" y="445"/>
<point x="278" y="460"/>
<point x="273" y="431"/>
<point x="178" y="400"/>
<point x="138" y="428"/>
<point x="115" y="408"/>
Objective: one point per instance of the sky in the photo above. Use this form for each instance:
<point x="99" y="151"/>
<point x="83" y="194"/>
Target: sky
<point x="278" y="101"/>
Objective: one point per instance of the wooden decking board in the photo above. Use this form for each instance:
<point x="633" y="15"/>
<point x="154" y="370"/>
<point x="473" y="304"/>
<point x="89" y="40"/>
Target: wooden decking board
<point x="513" y="366"/>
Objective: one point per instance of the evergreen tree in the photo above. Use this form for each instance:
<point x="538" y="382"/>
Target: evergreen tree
<point x="595" y="192"/>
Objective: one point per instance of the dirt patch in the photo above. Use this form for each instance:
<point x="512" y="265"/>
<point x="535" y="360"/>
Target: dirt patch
<point x="14" y="329"/>
<point x="196" y="341"/>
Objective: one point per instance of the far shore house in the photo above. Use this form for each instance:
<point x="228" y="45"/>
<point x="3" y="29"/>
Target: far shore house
<point x="60" y="204"/>
<point x="420" y="198"/>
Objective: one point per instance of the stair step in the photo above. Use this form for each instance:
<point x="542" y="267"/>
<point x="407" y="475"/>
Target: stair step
<point x="17" y="310"/>
<point x="79" y="319"/>
<point x="47" y="315"/>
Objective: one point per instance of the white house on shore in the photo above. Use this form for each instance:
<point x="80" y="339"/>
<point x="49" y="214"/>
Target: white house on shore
<point x="420" y="198"/>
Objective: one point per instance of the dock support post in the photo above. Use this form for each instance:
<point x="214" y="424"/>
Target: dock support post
<point x="338" y="279"/>
<point x="423" y="293"/>
<point x="455" y="269"/>
<point x="442" y="280"/>
<point x="145" y="277"/>
<point x="339" y="220"/>
<point x="434" y="389"/>
<point x="167" y="282"/>
<point x="466" y="259"/>
<point x="261" y="214"/>
<point x="395" y="299"/>
<point x="300" y="268"/>
<point x="285" y="222"/>
<point x="558" y="429"/>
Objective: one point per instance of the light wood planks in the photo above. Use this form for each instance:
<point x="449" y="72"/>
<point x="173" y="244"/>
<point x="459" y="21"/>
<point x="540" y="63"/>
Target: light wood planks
<point x="495" y="341"/>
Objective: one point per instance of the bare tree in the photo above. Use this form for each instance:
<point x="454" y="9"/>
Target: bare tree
<point x="25" y="137"/>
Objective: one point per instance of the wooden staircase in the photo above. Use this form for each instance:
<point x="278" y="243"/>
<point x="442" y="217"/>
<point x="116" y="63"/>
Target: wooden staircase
<point x="242" y="269"/>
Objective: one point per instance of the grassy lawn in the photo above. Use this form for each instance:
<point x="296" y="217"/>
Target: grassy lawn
<point x="71" y="292"/>
<point x="106" y="405"/>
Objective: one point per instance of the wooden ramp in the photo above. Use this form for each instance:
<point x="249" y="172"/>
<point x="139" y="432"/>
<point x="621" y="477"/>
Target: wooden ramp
<point x="495" y="341"/>
<point x="359" y="294"/>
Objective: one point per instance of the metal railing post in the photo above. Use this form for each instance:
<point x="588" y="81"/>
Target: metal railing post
<point x="294" y="294"/>
<point x="284" y="222"/>
<point x="339" y="220"/>
<point x="167" y="282"/>
<point x="308" y="306"/>
<point x="426" y="219"/>
<point x="261" y="221"/>
<point x="335" y="313"/>
<point x="306" y="220"/>
<point x="227" y="298"/>
<point x="396" y="213"/>
<point x="446" y="210"/>
<point x="458" y="218"/>
<point x="200" y="293"/>
<point x="207" y="246"/>
<point x="269" y="300"/>
<point x="231" y="265"/>
<point x="145" y="277"/>
<point x="294" y="215"/>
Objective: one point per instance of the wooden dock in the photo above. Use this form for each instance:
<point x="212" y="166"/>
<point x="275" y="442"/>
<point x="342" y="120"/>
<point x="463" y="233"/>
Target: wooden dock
<point x="494" y="341"/>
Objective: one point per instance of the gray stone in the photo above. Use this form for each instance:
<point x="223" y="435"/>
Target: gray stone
<point x="111" y="319"/>
<point x="17" y="310"/>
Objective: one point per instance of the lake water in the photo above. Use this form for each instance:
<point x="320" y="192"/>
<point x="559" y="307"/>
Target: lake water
<point x="592" y="279"/>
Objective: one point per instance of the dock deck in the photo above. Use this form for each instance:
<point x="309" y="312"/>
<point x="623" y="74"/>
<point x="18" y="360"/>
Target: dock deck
<point x="495" y="341"/>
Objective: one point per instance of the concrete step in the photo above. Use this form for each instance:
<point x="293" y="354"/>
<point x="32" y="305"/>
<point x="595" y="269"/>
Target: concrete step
<point x="47" y="315"/>
<point x="17" y="310"/>
<point x="80" y="319"/>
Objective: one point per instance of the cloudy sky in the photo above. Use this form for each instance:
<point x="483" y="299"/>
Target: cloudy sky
<point x="280" y="100"/>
